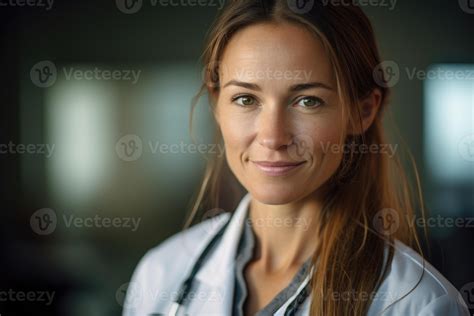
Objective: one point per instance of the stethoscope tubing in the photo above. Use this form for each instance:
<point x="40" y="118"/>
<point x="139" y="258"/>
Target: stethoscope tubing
<point x="186" y="286"/>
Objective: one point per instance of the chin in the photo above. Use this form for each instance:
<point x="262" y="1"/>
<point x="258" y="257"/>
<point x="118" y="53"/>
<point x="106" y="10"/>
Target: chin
<point x="276" y="194"/>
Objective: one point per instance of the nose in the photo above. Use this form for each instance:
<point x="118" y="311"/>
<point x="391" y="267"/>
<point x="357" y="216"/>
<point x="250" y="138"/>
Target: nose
<point x="273" y="128"/>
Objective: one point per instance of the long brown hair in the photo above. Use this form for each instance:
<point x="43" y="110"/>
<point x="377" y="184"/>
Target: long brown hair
<point x="350" y="254"/>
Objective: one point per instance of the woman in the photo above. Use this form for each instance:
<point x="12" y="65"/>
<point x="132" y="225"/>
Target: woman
<point x="323" y="229"/>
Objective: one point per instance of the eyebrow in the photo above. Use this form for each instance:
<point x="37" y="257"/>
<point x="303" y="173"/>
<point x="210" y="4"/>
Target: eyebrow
<point x="293" y="88"/>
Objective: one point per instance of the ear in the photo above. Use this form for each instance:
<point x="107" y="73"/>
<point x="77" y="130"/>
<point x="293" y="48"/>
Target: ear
<point x="369" y="107"/>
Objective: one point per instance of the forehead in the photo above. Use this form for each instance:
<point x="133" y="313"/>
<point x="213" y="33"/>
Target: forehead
<point x="277" y="47"/>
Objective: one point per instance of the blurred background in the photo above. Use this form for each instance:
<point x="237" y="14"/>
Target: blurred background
<point x="94" y="95"/>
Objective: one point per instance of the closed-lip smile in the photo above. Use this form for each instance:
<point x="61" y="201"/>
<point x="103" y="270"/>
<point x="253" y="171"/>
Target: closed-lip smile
<point x="277" y="168"/>
<point x="278" y="163"/>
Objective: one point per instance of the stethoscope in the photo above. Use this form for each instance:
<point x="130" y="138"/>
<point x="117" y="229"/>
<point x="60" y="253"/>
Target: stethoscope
<point x="186" y="286"/>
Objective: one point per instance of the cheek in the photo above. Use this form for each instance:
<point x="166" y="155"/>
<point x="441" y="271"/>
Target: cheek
<point x="237" y="135"/>
<point x="234" y="131"/>
<point x="320" y="132"/>
<point x="324" y="135"/>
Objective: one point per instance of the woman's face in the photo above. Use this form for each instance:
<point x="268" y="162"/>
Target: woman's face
<point x="278" y="105"/>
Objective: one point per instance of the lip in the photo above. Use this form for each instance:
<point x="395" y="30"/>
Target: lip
<point x="277" y="168"/>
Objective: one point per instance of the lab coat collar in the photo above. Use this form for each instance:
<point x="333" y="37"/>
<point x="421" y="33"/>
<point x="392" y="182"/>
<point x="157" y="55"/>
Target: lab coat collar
<point x="220" y="264"/>
<point x="217" y="275"/>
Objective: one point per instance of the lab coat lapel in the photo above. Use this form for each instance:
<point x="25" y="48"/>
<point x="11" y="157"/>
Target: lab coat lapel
<point x="215" y="279"/>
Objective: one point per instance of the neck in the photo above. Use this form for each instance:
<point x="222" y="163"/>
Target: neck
<point x="285" y="234"/>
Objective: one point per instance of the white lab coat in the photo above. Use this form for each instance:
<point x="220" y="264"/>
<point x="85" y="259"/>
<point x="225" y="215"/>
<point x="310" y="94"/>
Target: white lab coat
<point x="160" y="273"/>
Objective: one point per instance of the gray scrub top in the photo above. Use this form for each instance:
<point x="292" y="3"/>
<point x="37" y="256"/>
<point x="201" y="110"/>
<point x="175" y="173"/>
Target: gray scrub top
<point x="243" y="256"/>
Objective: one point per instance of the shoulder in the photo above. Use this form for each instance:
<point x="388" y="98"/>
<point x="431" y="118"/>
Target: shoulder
<point x="186" y="244"/>
<point x="413" y="286"/>
<point x="162" y="269"/>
